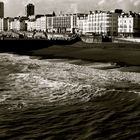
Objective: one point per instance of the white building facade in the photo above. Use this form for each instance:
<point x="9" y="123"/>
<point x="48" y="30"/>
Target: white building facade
<point x="38" y="24"/>
<point x="41" y="24"/>
<point x="129" y="25"/>
<point x="1" y="25"/>
<point x="17" y="25"/>
<point x="31" y="25"/>
<point x="98" y="22"/>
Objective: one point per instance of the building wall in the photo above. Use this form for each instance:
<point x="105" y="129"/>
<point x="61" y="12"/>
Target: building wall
<point x="41" y="24"/>
<point x="9" y="20"/>
<point x="17" y="25"/>
<point x="129" y="24"/>
<point x="73" y="23"/>
<point x="3" y="24"/>
<point x="29" y="10"/>
<point x="1" y="10"/>
<point x="22" y="26"/>
<point x="137" y="25"/>
<point x="81" y="21"/>
<point x="62" y="23"/>
<point x="49" y="24"/>
<point x="43" y="21"/>
<point x="31" y="25"/>
<point x="125" y="25"/>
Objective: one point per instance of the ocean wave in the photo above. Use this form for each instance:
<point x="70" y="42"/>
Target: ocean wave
<point x="39" y="82"/>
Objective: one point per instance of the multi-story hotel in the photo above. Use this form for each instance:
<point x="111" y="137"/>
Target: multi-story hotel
<point x="17" y="24"/>
<point x="39" y="23"/>
<point x="63" y="23"/>
<point x="129" y="24"/>
<point x="98" y="22"/>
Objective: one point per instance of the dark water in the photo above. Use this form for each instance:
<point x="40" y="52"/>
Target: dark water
<point x="61" y="99"/>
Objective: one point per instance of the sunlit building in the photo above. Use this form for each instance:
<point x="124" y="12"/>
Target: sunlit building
<point x="17" y="25"/>
<point x="129" y="24"/>
<point x="98" y="22"/>
<point x="41" y="24"/>
<point x="31" y="25"/>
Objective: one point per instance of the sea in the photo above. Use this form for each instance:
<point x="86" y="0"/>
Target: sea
<point x="67" y="99"/>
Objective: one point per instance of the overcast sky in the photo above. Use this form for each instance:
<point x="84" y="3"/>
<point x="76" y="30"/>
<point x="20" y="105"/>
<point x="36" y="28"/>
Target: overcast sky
<point x="17" y="7"/>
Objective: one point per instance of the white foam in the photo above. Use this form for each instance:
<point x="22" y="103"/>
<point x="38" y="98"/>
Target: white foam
<point x="57" y="81"/>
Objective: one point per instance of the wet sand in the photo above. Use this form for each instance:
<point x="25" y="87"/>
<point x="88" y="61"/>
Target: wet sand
<point x="123" y="54"/>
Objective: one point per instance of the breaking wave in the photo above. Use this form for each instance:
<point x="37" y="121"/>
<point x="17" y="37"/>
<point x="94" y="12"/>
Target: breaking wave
<point x="67" y="99"/>
<point x="27" y="82"/>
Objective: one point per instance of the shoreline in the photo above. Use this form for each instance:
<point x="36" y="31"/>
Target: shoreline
<point x="123" y="54"/>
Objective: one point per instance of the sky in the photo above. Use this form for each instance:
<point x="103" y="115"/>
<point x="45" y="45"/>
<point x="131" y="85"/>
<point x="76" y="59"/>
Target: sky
<point x="17" y="7"/>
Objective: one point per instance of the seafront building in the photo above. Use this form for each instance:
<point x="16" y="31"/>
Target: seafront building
<point x="63" y="23"/>
<point x="129" y="24"/>
<point x="38" y="23"/>
<point x="41" y="24"/>
<point x="98" y="22"/>
<point x="31" y="25"/>
<point x="81" y="23"/>
<point x="17" y="24"/>
<point x="53" y="24"/>
<point x="110" y="23"/>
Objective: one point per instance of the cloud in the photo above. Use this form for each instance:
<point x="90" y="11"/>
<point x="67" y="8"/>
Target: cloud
<point x="101" y="2"/>
<point x="120" y="1"/>
<point x="73" y="8"/>
<point x="136" y="3"/>
<point x="14" y="7"/>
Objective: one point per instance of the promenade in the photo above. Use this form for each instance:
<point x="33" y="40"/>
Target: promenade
<point x="136" y="40"/>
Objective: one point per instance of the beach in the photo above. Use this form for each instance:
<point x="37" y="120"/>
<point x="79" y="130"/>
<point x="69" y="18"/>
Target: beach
<point x="123" y="54"/>
<point x="126" y="54"/>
